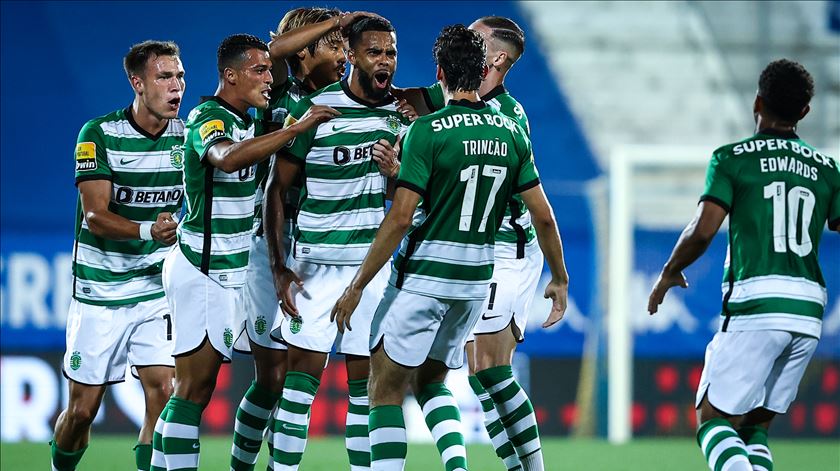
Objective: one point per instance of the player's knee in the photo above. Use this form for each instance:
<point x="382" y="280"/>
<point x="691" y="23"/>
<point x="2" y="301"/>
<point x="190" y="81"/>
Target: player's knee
<point x="197" y="391"/>
<point x="271" y="379"/>
<point x="81" y="415"/>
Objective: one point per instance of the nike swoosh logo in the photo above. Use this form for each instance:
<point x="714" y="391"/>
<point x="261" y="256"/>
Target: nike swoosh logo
<point x="484" y="317"/>
<point x="251" y="445"/>
<point x="195" y="446"/>
<point x="336" y="128"/>
<point x="296" y="428"/>
<point x="126" y="162"/>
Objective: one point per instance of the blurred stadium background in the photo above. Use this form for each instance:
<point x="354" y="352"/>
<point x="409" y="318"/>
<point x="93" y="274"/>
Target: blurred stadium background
<point x="602" y="82"/>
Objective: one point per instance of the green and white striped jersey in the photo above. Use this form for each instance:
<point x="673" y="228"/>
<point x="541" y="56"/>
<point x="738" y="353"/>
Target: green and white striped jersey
<point x="283" y="99"/>
<point x="343" y="200"/>
<point x="145" y="174"/>
<point x="215" y="234"/>
<point x="517" y="237"/>
<point x="779" y="192"/>
<point x="465" y="161"/>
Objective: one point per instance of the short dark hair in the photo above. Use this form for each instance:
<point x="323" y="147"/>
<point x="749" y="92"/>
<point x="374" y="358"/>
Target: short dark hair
<point x="460" y="52"/>
<point x="134" y="62"/>
<point x="299" y="17"/>
<point x="507" y="31"/>
<point x="365" y="24"/>
<point x="786" y="88"/>
<point x="234" y="47"/>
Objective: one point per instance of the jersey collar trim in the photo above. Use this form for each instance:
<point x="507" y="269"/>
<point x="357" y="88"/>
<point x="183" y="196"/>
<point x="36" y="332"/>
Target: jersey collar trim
<point x="130" y="117"/>
<point x="777" y="133"/>
<point x="243" y="116"/>
<point x="498" y="90"/>
<point x="385" y="101"/>
<point x="476" y="105"/>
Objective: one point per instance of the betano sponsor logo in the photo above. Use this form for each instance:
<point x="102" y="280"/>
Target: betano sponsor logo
<point x="128" y="195"/>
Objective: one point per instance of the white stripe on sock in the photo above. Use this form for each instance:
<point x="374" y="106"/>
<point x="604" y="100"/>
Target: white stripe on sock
<point x="243" y="455"/>
<point x="712" y="433"/>
<point x="357" y="443"/>
<point x="179" y="461"/>
<point x="387" y="435"/>
<point x="737" y="463"/>
<point x="499" y="386"/>
<point x="453" y="452"/>
<point x="247" y="431"/>
<point x="723" y="445"/>
<point x="357" y="419"/>
<point x="174" y="430"/>
<point x="437" y="402"/>
<point x="254" y="409"/>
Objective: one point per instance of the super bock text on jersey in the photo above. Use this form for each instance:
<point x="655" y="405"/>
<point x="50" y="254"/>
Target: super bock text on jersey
<point x="145" y="175"/>
<point x="779" y="192"/>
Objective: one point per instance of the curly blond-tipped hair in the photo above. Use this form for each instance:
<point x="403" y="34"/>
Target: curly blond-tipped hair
<point x="299" y="17"/>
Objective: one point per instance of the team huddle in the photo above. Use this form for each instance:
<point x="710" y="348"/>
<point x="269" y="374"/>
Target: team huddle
<point x="271" y="235"/>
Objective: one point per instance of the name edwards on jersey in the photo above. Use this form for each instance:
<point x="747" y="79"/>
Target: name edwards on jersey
<point x="785" y="163"/>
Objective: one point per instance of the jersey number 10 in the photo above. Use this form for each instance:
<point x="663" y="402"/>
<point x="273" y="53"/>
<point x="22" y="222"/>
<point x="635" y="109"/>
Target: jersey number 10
<point x="470" y="175"/>
<point x="784" y="232"/>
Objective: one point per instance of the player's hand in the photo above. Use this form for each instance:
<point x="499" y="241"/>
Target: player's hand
<point x="315" y="115"/>
<point x="385" y="156"/>
<point x="347" y="18"/>
<point x="283" y="279"/>
<point x="344" y="307"/>
<point x="665" y="282"/>
<point x="558" y="292"/>
<point x="406" y="110"/>
<point x="163" y="230"/>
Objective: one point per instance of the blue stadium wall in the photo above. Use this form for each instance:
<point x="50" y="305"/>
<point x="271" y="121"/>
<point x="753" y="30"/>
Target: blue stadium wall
<point x="61" y="65"/>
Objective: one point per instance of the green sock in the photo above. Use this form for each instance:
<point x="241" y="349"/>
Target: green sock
<point x="495" y="429"/>
<point x="388" y="443"/>
<point x="181" y="447"/>
<point x="65" y="460"/>
<point x="444" y="421"/>
<point x="158" y="462"/>
<point x="292" y="419"/>
<point x="143" y="456"/>
<point x="755" y="438"/>
<point x="251" y="419"/>
<point x="516" y="413"/>
<point x="356" y="430"/>
<point x="722" y="446"/>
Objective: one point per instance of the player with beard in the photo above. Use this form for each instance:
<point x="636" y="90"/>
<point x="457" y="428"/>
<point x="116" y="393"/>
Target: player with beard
<point x="518" y="267"/>
<point x="118" y="313"/>
<point x="341" y="205"/>
<point x="460" y="166"/>
<point x="308" y="44"/>
<point x="204" y="274"/>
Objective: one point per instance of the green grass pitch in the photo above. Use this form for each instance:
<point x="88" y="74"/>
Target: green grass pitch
<point x="113" y="453"/>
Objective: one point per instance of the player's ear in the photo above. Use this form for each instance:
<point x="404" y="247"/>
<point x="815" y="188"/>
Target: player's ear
<point x="804" y="112"/>
<point x="229" y="75"/>
<point x="351" y="56"/>
<point x="136" y="84"/>
<point x="439" y="73"/>
<point x="757" y="104"/>
<point x="301" y="55"/>
<point x="500" y="59"/>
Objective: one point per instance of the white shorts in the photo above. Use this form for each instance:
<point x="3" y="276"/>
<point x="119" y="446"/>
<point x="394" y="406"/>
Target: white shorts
<point x="511" y="294"/>
<point x="102" y="339"/>
<point x="746" y="370"/>
<point x="413" y="327"/>
<point x="322" y="286"/>
<point x="259" y="300"/>
<point x="201" y="308"/>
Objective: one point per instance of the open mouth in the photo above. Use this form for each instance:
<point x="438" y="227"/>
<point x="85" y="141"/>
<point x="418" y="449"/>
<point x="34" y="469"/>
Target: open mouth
<point x="382" y="79"/>
<point x="175" y="102"/>
<point x="266" y="94"/>
<point x="340" y="70"/>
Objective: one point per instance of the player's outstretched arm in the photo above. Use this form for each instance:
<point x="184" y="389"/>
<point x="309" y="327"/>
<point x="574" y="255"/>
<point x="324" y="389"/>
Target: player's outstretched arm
<point x="96" y="196"/>
<point x="548" y="236"/>
<point x="230" y="156"/>
<point x="391" y="231"/>
<point x="280" y="179"/>
<point x="693" y="242"/>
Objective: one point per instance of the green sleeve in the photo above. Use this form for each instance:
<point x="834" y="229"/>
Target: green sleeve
<point x="834" y="209"/>
<point x="91" y="157"/>
<point x="433" y="96"/>
<point x="416" y="165"/>
<point x="302" y="143"/>
<point x="719" y="183"/>
<point x="527" y="177"/>
<point x="209" y="128"/>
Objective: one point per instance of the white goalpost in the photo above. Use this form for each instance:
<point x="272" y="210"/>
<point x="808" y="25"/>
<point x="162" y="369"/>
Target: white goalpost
<point x="653" y="186"/>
